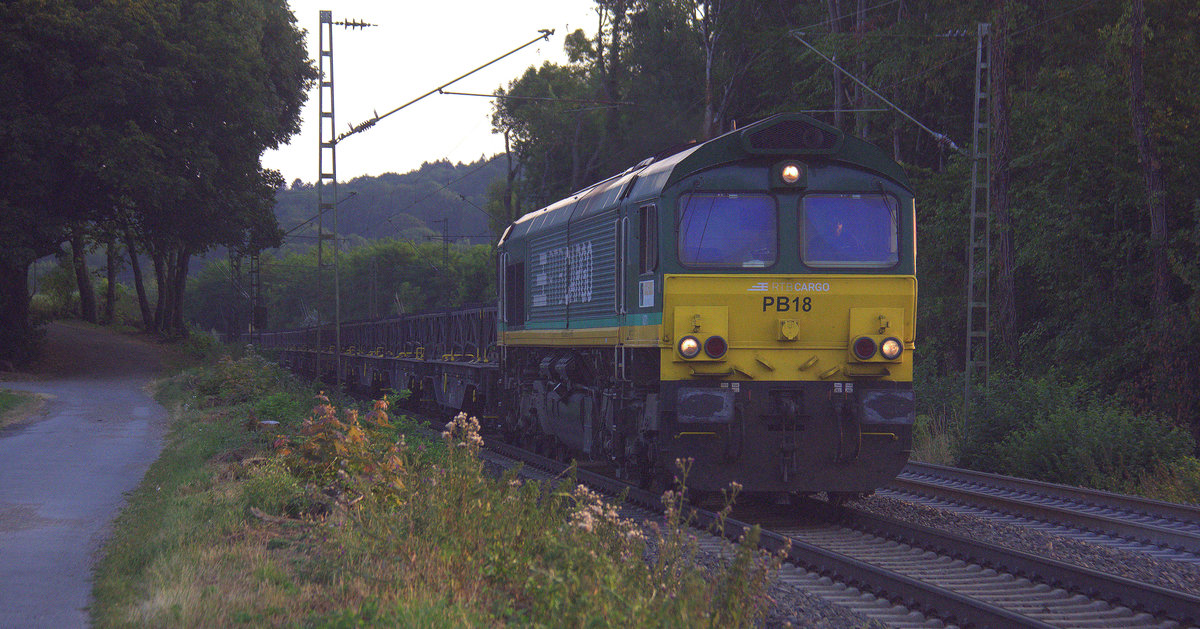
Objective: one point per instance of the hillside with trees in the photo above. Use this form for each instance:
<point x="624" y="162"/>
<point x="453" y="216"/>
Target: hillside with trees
<point x="408" y="206"/>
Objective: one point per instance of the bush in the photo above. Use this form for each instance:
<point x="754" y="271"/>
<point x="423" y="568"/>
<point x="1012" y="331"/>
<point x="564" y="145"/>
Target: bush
<point x="1176" y="482"/>
<point x="1066" y="433"/>
<point x="239" y="381"/>
<point x="1094" y="444"/>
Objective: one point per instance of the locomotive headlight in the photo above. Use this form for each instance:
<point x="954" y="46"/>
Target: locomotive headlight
<point x="790" y="173"/>
<point x="891" y="348"/>
<point x="689" y="346"/>
<point x="864" y="347"/>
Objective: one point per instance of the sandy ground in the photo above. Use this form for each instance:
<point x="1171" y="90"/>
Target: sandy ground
<point x="65" y="467"/>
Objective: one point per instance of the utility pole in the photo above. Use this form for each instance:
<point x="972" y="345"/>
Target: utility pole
<point x="977" y="358"/>
<point x="445" y="241"/>
<point x="327" y="184"/>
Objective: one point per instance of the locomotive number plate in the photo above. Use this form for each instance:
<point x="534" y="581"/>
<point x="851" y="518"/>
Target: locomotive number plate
<point x="783" y="303"/>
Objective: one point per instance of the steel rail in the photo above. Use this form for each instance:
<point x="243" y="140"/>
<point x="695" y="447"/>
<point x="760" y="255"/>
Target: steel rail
<point x="1072" y="516"/>
<point x="1183" y="607"/>
<point x="1107" y="499"/>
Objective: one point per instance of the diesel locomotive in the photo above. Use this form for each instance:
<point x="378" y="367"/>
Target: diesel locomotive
<point x="747" y="302"/>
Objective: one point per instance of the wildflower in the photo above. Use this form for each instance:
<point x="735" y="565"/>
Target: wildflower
<point x="583" y="520"/>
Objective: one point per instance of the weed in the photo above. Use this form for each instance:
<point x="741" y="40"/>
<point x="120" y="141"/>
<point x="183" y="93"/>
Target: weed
<point x="934" y="440"/>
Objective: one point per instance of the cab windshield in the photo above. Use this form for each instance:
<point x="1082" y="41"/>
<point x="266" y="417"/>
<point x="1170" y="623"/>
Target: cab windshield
<point x="849" y="230"/>
<point x="728" y="230"/>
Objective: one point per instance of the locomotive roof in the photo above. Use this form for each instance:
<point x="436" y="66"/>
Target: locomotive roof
<point x="787" y="134"/>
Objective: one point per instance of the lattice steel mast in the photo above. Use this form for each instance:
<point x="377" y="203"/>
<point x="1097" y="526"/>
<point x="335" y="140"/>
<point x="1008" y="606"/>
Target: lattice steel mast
<point x="979" y="243"/>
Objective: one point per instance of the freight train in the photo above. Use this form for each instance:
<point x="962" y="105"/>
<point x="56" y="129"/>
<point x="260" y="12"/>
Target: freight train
<point x="747" y="303"/>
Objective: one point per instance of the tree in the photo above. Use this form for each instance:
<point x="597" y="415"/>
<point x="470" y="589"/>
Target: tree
<point x="1148" y="156"/>
<point x="149" y="117"/>
<point x="48" y="145"/>
<point x="220" y="81"/>
<point x="558" y="147"/>
<point x="1001" y="177"/>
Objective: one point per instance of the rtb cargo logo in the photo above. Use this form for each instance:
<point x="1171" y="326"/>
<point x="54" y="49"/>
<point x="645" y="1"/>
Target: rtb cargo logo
<point x="789" y="287"/>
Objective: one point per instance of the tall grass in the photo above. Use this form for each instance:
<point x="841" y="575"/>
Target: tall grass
<point x="353" y="518"/>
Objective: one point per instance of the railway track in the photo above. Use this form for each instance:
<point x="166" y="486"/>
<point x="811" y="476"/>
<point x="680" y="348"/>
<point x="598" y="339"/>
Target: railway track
<point x="1161" y="529"/>
<point x="904" y="575"/>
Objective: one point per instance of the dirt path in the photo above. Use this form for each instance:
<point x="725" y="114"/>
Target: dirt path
<point x="64" y="469"/>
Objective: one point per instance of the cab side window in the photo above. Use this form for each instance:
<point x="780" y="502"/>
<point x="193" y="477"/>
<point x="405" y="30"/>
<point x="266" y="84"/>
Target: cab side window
<point x="648" y="230"/>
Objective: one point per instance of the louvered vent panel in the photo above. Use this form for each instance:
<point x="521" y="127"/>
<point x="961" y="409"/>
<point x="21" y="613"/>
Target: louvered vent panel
<point x="792" y="135"/>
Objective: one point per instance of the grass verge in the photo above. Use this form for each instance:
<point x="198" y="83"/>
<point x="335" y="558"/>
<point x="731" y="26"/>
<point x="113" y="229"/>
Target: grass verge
<point x="16" y="405"/>
<point x="353" y="518"/>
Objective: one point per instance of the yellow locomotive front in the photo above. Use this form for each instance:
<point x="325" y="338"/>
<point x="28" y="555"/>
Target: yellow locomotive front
<point x="789" y="383"/>
<point x="788" y="325"/>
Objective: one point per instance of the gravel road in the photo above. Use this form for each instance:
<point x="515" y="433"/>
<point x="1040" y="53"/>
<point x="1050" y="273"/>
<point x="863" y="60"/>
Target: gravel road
<point x="64" y="470"/>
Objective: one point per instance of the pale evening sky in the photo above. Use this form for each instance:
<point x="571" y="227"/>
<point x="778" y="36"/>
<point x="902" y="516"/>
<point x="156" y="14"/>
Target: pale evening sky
<point x="417" y="46"/>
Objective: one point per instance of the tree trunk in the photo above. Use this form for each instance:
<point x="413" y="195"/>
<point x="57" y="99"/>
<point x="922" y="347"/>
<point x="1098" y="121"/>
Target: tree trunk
<point x="835" y="27"/>
<point x="512" y="205"/>
<point x="1156" y="192"/>
<point x="160" y="302"/>
<point x="17" y="338"/>
<point x="613" y="74"/>
<point x="110" y="292"/>
<point x="860" y="95"/>
<point x="709" y="37"/>
<point x="1001" y="176"/>
<point x="576" y="158"/>
<point x="178" y="287"/>
<point x="143" y="302"/>
<point x="87" y="294"/>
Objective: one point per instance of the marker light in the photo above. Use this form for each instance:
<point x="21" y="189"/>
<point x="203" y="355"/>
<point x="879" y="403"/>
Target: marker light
<point x="689" y="346"/>
<point x="790" y="173"/>
<point x="715" y="346"/>
<point x="864" y="347"/>
<point x="891" y="348"/>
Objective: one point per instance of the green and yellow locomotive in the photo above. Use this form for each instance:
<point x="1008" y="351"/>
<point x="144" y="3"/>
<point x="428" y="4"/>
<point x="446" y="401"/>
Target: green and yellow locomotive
<point x="748" y="302"/>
